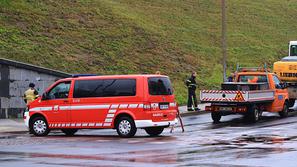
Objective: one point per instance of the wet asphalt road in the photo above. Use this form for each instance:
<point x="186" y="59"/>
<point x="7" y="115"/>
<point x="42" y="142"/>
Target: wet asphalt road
<point x="270" y="142"/>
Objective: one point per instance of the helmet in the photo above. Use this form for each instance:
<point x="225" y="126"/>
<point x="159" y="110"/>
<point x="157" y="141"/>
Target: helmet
<point x="31" y="85"/>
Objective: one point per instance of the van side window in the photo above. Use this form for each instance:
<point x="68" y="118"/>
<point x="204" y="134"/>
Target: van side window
<point x="104" y="88"/>
<point x="160" y="86"/>
<point x="60" y="91"/>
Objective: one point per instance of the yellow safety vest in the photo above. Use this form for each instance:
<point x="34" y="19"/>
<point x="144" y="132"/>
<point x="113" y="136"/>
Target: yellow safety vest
<point x="30" y="95"/>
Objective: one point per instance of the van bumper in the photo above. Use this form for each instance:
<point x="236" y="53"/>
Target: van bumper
<point x="26" y="118"/>
<point x="150" y="123"/>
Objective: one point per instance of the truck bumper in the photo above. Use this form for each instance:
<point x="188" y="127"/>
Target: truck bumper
<point x="150" y="123"/>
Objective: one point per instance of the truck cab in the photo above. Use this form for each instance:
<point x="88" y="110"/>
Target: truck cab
<point x="293" y="48"/>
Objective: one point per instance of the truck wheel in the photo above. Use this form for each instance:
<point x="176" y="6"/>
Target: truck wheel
<point x="154" y="131"/>
<point x="254" y="114"/>
<point x="39" y="127"/>
<point x="291" y="103"/>
<point x="69" y="132"/>
<point x="284" y="112"/>
<point x="126" y="127"/>
<point x="216" y="117"/>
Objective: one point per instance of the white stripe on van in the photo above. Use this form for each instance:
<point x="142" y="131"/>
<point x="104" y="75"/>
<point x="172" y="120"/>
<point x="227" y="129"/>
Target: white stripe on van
<point x="90" y="107"/>
<point x="112" y="111"/>
<point x="41" y="109"/>
<point x="107" y="120"/>
<point x="107" y="124"/>
<point x="140" y="106"/>
<point x="110" y="115"/>
<point x="133" y="105"/>
<point x="123" y="106"/>
<point x="114" y="106"/>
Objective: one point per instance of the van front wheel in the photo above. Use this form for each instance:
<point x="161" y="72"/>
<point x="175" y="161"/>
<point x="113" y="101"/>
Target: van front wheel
<point x="126" y="127"/>
<point x="39" y="126"/>
<point x="154" y="131"/>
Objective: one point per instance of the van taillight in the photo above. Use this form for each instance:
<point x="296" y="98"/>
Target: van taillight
<point x="147" y="107"/>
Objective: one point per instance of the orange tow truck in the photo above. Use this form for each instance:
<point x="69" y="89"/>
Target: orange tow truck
<point x="255" y="90"/>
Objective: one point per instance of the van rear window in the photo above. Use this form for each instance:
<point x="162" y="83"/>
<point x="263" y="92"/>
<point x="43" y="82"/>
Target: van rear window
<point x="160" y="86"/>
<point x="104" y="88"/>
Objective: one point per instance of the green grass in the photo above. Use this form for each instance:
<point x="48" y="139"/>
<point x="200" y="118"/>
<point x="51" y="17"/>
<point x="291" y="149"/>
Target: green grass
<point x="144" y="36"/>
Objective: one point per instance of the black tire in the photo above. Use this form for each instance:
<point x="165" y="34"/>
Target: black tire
<point x="254" y="114"/>
<point x="284" y="112"/>
<point x="216" y="117"/>
<point x="154" y="131"/>
<point x="291" y="103"/>
<point x="69" y="132"/>
<point x="39" y="127"/>
<point x="126" y="127"/>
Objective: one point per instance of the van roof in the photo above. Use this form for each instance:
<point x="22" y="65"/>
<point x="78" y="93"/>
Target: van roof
<point x="114" y="76"/>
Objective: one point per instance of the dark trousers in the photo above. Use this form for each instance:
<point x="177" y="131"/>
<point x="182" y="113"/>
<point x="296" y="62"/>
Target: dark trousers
<point x="192" y="99"/>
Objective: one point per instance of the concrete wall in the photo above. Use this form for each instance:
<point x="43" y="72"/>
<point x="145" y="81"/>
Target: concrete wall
<point x="14" y="82"/>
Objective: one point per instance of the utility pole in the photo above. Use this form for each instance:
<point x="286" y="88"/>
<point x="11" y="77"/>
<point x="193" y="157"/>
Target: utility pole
<point x="224" y="43"/>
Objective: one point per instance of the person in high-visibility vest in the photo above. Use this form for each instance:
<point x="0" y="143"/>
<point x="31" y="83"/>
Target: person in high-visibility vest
<point x="31" y="94"/>
<point x="192" y="85"/>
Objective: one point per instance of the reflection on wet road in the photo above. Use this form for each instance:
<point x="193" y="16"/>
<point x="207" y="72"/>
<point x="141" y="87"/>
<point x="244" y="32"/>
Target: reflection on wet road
<point x="270" y="142"/>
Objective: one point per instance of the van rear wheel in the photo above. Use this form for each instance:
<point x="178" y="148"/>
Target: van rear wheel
<point x="126" y="127"/>
<point x="154" y="131"/>
<point x="39" y="127"/>
<point x="69" y="132"/>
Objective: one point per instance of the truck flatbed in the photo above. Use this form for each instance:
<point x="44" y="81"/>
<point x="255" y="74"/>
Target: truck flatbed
<point x="239" y="92"/>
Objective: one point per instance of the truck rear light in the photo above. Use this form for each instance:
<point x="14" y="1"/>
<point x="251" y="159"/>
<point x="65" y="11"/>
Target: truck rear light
<point x="241" y="109"/>
<point x="208" y="108"/>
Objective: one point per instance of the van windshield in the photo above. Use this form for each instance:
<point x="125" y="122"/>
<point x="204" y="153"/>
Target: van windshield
<point x="160" y="86"/>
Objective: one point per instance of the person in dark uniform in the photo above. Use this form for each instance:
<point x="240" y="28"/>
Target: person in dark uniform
<point x="231" y="77"/>
<point x="192" y="99"/>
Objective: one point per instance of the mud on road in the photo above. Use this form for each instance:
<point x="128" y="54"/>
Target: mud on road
<point x="270" y="142"/>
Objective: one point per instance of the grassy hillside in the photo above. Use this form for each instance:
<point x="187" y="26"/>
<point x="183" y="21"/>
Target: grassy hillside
<point x="143" y="36"/>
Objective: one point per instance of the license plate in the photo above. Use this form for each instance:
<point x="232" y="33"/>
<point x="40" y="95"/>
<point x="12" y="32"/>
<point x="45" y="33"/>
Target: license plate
<point x="164" y="106"/>
<point x="226" y="108"/>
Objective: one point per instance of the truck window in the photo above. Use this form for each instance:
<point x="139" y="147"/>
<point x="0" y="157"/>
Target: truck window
<point x="104" y="88"/>
<point x="277" y="82"/>
<point x="60" y="91"/>
<point x="253" y="78"/>
<point x="160" y="86"/>
<point x="293" y="50"/>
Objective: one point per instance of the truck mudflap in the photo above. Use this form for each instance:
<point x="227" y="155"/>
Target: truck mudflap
<point x="208" y="96"/>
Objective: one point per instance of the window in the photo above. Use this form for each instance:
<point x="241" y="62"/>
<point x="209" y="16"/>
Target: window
<point x="60" y="91"/>
<point x="104" y="88"/>
<point x="293" y="51"/>
<point x="160" y="86"/>
<point x="253" y="78"/>
<point x="277" y="82"/>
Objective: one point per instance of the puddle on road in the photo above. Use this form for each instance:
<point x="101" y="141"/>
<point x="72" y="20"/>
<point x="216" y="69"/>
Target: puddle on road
<point x="8" y="137"/>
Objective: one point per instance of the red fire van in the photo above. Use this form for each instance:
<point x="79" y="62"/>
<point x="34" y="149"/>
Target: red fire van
<point x="121" y="102"/>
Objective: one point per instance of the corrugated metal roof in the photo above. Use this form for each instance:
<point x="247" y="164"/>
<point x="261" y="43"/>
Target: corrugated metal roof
<point x="18" y="64"/>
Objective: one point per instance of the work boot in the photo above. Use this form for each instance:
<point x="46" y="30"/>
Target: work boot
<point x="190" y="109"/>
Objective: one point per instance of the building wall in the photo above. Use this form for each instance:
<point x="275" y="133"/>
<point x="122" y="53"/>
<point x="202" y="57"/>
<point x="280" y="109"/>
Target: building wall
<point x="13" y="83"/>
